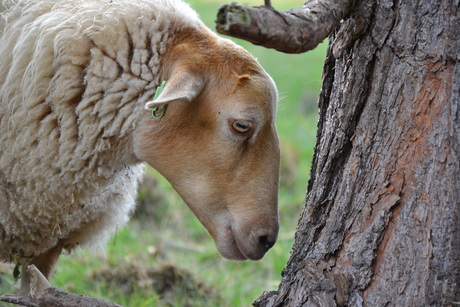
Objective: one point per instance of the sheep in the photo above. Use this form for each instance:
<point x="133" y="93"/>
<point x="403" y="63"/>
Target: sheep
<point x="78" y="121"/>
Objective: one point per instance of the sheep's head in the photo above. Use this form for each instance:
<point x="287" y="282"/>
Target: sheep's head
<point x="217" y="145"/>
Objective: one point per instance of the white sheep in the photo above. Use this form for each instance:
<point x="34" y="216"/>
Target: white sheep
<point x="76" y="78"/>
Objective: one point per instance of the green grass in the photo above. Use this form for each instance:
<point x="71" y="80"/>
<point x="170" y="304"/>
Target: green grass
<point x="171" y="234"/>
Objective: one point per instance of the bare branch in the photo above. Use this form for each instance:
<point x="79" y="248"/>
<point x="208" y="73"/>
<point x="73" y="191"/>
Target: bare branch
<point x="43" y="294"/>
<point x="18" y="300"/>
<point x="54" y="297"/>
<point x="290" y="31"/>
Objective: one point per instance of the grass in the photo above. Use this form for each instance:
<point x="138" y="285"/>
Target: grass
<point x="168" y="245"/>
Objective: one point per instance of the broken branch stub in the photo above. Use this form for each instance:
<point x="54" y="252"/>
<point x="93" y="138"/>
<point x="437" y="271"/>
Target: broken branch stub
<point x="289" y="31"/>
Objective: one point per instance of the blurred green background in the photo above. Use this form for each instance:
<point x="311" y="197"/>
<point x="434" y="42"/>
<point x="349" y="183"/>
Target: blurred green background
<point x="165" y="257"/>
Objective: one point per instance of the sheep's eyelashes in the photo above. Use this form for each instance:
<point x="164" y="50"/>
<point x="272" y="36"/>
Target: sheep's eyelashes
<point x="241" y="127"/>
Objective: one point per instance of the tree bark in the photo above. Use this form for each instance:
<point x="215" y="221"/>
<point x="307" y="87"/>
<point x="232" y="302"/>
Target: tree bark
<point x="380" y="225"/>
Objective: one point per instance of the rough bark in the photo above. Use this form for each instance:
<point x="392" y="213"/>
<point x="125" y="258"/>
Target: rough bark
<point x="290" y="31"/>
<point x="380" y="225"/>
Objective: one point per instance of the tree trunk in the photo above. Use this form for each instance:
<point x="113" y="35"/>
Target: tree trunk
<point x="380" y="225"/>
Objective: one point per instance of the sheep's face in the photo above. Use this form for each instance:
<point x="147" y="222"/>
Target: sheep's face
<point x="217" y="145"/>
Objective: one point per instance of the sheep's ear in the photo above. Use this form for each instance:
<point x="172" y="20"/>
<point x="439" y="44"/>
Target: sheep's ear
<point x="182" y="86"/>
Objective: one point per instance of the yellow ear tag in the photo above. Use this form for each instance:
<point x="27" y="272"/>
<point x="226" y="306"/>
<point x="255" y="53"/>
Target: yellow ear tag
<point x="157" y="93"/>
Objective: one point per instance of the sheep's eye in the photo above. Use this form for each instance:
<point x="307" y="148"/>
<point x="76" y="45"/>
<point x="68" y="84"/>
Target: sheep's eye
<point x="241" y="127"/>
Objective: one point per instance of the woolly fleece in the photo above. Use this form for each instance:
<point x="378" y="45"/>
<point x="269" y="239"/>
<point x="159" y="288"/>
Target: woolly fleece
<point x="74" y="78"/>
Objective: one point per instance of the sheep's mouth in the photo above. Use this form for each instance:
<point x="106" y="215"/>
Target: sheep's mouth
<point x="228" y="245"/>
<point x="231" y="247"/>
<point x="231" y="243"/>
<point x="235" y="247"/>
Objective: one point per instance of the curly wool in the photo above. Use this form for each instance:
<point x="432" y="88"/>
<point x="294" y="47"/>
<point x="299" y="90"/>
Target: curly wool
<point x="74" y="78"/>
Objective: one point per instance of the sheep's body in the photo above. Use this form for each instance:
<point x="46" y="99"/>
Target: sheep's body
<point x="69" y="73"/>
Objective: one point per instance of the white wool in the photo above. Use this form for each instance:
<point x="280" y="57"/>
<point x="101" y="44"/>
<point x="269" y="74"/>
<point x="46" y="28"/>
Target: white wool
<point x="74" y="78"/>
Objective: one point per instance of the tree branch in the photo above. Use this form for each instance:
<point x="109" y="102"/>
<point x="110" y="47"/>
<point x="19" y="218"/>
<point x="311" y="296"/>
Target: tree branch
<point x="290" y="31"/>
<point x="43" y="294"/>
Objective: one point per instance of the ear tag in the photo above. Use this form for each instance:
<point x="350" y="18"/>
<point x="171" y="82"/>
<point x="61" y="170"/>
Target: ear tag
<point x="157" y="93"/>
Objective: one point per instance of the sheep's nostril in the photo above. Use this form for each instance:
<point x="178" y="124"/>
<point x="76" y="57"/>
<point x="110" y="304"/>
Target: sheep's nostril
<point x="266" y="242"/>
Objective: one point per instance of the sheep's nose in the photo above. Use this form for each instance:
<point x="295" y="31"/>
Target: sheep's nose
<point x="267" y="242"/>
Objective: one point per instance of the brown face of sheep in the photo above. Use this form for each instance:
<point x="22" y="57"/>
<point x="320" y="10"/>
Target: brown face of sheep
<point x="218" y="147"/>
